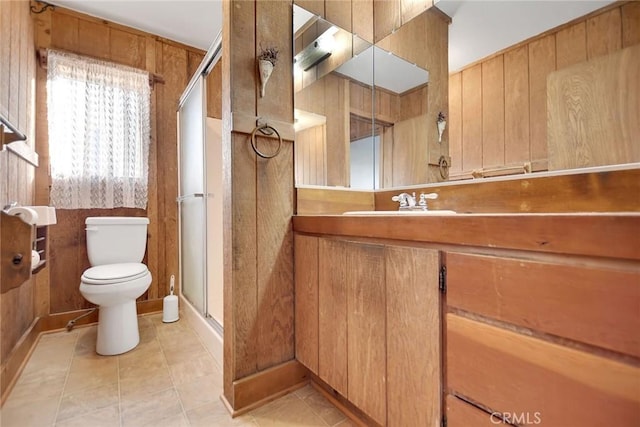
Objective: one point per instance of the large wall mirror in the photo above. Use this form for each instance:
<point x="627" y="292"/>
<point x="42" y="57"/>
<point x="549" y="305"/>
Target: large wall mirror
<point x="361" y="109"/>
<point x="368" y="100"/>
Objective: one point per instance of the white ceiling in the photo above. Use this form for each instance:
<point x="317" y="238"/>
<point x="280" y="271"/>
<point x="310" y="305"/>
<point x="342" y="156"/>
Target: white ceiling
<point x="479" y="27"/>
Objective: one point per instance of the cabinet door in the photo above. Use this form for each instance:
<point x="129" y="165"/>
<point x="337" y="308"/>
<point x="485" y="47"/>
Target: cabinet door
<point x="332" y="314"/>
<point x="366" y="329"/>
<point x="413" y="336"/>
<point x="306" y="304"/>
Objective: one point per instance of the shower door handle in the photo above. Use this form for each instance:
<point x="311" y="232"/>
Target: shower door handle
<point x="181" y="199"/>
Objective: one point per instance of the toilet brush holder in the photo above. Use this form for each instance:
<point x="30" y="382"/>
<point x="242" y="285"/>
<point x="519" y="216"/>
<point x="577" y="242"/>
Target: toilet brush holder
<point x="170" y="306"/>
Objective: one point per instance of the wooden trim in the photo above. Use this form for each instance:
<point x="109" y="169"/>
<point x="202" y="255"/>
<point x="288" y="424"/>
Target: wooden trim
<point x="332" y="201"/>
<point x="265" y="386"/>
<point x="57" y="321"/>
<point x="18" y="358"/>
<point x="542" y="35"/>
<point x="577" y="234"/>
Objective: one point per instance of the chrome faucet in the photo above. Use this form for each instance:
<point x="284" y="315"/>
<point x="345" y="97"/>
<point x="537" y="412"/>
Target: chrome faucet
<point x="408" y="201"/>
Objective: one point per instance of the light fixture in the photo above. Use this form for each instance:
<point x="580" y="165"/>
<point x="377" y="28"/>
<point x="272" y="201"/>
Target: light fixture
<point x="317" y="51"/>
<point x="442" y="124"/>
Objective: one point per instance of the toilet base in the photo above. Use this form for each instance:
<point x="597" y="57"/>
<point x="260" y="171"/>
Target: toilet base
<point x="117" y="329"/>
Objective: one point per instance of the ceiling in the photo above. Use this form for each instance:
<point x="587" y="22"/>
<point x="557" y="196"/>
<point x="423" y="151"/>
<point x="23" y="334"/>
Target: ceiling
<point x="479" y="27"/>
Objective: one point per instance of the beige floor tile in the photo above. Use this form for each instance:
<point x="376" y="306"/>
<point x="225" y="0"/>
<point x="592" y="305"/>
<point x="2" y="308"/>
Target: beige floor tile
<point x="346" y="423"/>
<point x="36" y="385"/>
<point x="294" y="413"/>
<point x="193" y="367"/>
<point x="138" y="387"/>
<point x="86" y="343"/>
<point x="148" y="362"/>
<point x="323" y="408"/>
<point x="305" y="391"/>
<point x="36" y="413"/>
<point x="87" y="401"/>
<point x="90" y="371"/>
<point x="215" y="414"/>
<point x="179" y="420"/>
<point x="106" y="417"/>
<point x="200" y="391"/>
<point x="180" y="347"/>
<point x="141" y="355"/>
<point x="282" y="402"/>
<point x="150" y="409"/>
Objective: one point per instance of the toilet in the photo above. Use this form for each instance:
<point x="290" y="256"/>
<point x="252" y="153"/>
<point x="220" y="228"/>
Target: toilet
<point x="116" y="247"/>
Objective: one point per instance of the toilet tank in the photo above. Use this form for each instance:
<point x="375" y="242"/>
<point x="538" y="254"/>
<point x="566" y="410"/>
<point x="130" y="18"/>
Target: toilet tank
<point x="116" y="239"/>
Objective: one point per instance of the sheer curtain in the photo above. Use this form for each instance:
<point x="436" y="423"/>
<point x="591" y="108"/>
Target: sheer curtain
<point x="99" y="130"/>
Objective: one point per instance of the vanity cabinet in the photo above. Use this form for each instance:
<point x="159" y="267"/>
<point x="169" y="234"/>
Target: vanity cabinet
<point x="367" y="323"/>
<point x="556" y="339"/>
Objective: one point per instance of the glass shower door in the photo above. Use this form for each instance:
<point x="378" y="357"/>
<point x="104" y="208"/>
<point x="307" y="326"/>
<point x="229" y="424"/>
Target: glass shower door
<point x="192" y="196"/>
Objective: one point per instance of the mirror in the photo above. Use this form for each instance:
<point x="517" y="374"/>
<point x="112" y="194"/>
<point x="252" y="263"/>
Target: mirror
<point x="508" y="113"/>
<point x="355" y="105"/>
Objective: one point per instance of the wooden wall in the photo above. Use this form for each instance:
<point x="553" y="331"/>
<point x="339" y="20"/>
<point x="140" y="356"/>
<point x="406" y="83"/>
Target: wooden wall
<point x="17" y="103"/>
<point x="175" y="63"/>
<point x="258" y="198"/>
<point x="498" y="106"/>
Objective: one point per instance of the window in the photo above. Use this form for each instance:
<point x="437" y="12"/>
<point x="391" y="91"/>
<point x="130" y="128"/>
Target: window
<point x="99" y="131"/>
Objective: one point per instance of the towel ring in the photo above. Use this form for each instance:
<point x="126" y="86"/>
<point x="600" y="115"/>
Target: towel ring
<point x="444" y="167"/>
<point x="253" y="141"/>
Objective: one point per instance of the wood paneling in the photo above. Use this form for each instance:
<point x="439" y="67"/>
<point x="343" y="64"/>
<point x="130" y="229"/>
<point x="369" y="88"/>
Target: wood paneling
<point x="332" y="314"/>
<point x="542" y="61"/>
<point x="594" y="102"/>
<point x="516" y="90"/>
<point x="630" y="19"/>
<point x="493" y="109"/>
<point x="462" y="414"/>
<point x="612" y="191"/>
<point x="386" y="18"/>
<point x="362" y="17"/>
<point x="338" y="12"/>
<point x="551" y="234"/>
<point x="454" y="123"/>
<point x="72" y="31"/>
<point x="526" y="67"/>
<point x="366" y="329"/>
<point x="314" y="6"/>
<point x="472" y="118"/>
<point x="327" y="201"/>
<point x="17" y="104"/>
<point x="306" y="300"/>
<point x="594" y="305"/>
<point x="538" y="377"/>
<point x="413" y="336"/>
<point x="604" y="33"/>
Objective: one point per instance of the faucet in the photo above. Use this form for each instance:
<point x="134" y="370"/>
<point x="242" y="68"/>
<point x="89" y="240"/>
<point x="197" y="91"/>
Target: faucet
<point x="408" y="201"/>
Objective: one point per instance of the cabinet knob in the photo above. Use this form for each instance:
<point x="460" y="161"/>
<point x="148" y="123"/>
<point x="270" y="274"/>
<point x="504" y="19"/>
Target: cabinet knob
<point x="17" y="259"/>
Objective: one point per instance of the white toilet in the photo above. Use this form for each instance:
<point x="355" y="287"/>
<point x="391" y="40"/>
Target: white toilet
<point x="116" y="246"/>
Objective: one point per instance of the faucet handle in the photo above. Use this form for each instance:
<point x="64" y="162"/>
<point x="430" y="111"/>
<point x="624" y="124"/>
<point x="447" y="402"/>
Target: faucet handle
<point x="402" y="199"/>
<point x="423" y="199"/>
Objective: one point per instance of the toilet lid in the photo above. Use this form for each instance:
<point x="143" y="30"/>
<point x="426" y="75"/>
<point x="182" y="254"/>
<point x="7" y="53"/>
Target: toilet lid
<point x="114" y="273"/>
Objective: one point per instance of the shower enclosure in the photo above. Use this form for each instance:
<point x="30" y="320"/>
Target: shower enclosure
<point x="199" y="198"/>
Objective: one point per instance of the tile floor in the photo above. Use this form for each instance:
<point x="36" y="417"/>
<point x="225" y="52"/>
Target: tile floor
<point x="169" y="380"/>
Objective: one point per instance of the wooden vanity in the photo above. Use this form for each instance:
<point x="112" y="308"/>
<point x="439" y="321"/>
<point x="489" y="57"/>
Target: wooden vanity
<point x="476" y="318"/>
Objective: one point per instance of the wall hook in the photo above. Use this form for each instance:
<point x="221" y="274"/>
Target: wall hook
<point x="43" y="8"/>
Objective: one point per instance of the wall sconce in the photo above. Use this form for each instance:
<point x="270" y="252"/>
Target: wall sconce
<point x="442" y="124"/>
<point x="266" y="61"/>
<point x="316" y="52"/>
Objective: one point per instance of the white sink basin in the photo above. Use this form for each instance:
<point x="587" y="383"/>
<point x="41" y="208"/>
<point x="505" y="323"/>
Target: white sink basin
<point x="414" y="213"/>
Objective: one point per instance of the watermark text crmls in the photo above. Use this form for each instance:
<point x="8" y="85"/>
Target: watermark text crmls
<point x="517" y="418"/>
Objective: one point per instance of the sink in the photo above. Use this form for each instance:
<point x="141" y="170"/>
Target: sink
<point x="413" y="213"/>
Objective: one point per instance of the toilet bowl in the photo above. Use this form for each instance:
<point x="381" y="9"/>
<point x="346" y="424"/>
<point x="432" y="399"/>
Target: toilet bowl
<point x="116" y="246"/>
<point x="114" y="288"/>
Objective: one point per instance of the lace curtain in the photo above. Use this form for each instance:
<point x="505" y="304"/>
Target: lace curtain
<point x="99" y="131"/>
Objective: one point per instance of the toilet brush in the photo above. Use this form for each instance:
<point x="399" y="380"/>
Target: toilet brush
<point x="170" y="304"/>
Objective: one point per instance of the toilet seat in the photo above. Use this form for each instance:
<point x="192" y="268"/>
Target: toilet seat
<point x="114" y="273"/>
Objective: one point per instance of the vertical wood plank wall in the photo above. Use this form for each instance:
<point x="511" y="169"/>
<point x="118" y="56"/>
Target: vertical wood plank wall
<point x="17" y="103"/>
<point x="85" y="35"/>
<point x="258" y="195"/>
<point x="498" y="106"/>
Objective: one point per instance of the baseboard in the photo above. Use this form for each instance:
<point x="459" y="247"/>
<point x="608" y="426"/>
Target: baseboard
<point x="265" y="386"/>
<point x="18" y="358"/>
